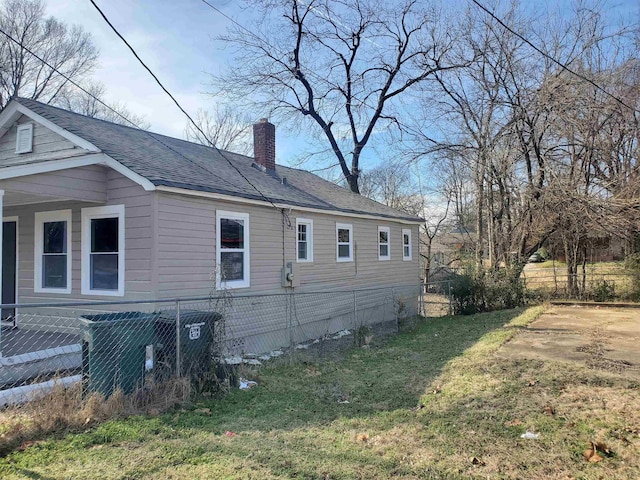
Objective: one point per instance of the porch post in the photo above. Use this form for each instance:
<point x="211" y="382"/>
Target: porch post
<point x="1" y="232"/>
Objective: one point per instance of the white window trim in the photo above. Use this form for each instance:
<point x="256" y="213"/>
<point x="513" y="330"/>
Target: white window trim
<point x="309" y="223"/>
<point x="388" y="244"/>
<point x="88" y="214"/>
<point x="246" y="282"/>
<point x="40" y="219"/>
<point x="24" y="129"/>
<point x="344" y="226"/>
<point x="407" y="231"/>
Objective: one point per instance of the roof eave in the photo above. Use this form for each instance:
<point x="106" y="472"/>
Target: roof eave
<point x="278" y="203"/>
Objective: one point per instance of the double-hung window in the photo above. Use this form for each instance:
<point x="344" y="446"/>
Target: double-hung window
<point x="344" y="242"/>
<point x="406" y="244"/>
<point x="304" y="240"/>
<point x="384" y="250"/>
<point x="52" y="252"/>
<point x="232" y="250"/>
<point x="103" y="250"/>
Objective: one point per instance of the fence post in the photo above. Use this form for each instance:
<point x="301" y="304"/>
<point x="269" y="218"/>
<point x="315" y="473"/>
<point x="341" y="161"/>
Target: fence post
<point x="355" y="310"/>
<point x="289" y="310"/>
<point x="395" y="308"/>
<point x="450" y="299"/>
<point x="178" y="352"/>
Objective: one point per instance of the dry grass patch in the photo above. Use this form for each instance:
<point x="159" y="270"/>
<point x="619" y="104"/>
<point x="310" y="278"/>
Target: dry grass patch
<point x="67" y="410"/>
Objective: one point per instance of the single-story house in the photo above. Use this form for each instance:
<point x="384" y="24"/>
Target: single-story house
<point x="94" y="210"/>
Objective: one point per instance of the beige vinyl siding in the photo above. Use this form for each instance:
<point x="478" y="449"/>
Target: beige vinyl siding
<point x="187" y="239"/>
<point x="138" y="234"/>
<point x="186" y="250"/>
<point x="184" y="242"/>
<point x="82" y="183"/>
<point x="365" y="270"/>
<point x="138" y="241"/>
<point x="47" y="145"/>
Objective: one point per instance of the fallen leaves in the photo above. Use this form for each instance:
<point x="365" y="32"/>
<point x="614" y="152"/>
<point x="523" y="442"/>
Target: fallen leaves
<point x="591" y="454"/>
<point x="549" y="410"/>
<point x="204" y="411"/>
<point x="478" y="462"/>
<point x="362" y="437"/>
<point x="516" y="422"/>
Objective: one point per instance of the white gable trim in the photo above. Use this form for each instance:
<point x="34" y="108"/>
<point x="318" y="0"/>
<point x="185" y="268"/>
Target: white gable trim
<point x="11" y="113"/>
<point x="248" y="201"/>
<point x="127" y="172"/>
<point x="74" y="162"/>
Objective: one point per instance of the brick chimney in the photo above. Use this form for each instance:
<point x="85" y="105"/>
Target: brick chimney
<point x="264" y="144"/>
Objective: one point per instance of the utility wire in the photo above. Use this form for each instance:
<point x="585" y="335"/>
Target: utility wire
<point x="557" y="62"/>
<point x="253" y="34"/>
<point x="81" y="88"/>
<point x="277" y="50"/>
<point x="196" y="126"/>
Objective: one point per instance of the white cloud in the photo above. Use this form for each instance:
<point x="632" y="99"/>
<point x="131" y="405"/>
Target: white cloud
<point x="172" y="38"/>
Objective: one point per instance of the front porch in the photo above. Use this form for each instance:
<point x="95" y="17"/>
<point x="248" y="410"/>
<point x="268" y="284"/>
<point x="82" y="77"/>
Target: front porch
<point x="37" y="256"/>
<point x="17" y="341"/>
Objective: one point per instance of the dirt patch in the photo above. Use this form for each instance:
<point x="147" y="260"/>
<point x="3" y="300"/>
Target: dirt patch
<point x="598" y="337"/>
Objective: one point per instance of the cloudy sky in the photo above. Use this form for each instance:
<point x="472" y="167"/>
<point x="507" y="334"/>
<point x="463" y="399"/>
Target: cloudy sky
<point x="176" y="38"/>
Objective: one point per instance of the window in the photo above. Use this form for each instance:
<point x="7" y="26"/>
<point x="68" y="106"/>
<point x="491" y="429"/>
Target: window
<point x="344" y="242"/>
<point x="384" y="252"/>
<point x="232" y="250"/>
<point x="406" y="244"/>
<point x="103" y="250"/>
<point x="52" y="252"/>
<point x="24" y="138"/>
<point x="304" y="241"/>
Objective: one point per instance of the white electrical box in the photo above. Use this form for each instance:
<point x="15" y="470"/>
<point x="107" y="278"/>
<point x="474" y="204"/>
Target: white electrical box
<point x="290" y="275"/>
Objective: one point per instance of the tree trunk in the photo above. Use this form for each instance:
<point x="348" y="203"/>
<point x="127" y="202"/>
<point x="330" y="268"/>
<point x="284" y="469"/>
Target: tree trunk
<point x="427" y="265"/>
<point x="571" y="254"/>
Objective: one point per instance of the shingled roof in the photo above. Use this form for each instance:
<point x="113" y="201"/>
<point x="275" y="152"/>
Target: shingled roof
<point x="171" y="162"/>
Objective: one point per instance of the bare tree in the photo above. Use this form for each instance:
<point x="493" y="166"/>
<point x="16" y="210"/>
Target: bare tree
<point x="349" y="68"/>
<point x="527" y="135"/>
<point x="92" y="103"/>
<point x="69" y="50"/>
<point x="391" y="184"/>
<point x="225" y="128"/>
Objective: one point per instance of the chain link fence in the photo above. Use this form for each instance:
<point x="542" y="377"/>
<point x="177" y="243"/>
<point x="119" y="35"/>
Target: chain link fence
<point x="104" y="346"/>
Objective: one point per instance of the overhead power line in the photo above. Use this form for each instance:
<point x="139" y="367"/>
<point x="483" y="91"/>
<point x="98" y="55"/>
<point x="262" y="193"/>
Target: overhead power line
<point x="272" y="47"/>
<point x="196" y="126"/>
<point x="549" y="57"/>
<point x="101" y="102"/>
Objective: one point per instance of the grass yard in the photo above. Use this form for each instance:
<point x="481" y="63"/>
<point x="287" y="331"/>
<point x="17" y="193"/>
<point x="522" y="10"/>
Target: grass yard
<point x="437" y="402"/>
